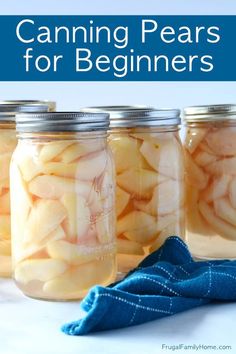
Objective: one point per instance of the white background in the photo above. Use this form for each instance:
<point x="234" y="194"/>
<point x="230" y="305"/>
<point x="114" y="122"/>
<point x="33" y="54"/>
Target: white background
<point x="73" y="95"/>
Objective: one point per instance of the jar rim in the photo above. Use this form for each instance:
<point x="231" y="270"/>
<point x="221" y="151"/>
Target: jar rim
<point x="138" y="116"/>
<point x="61" y="122"/>
<point x="9" y="108"/>
<point x="207" y="113"/>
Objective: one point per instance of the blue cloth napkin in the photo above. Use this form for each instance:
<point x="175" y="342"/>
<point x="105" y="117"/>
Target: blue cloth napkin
<point x="165" y="283"/>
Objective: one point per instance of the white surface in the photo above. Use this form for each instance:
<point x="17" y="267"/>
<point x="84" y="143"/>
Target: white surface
<point x="33" y="327"/>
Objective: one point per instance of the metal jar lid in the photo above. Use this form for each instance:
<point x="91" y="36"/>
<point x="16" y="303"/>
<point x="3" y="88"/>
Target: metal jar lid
<point x="9" y="109"/>
<point x="210" y="113"/>
<point x="61" y="122"/>
<point x="138" y="116"/>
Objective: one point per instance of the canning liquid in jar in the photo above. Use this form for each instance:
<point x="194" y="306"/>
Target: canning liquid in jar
<point x="210" y="148"/>
<point x="8" y="141"/>
<point x="63" y="219"/>
<point x="149" y="180"/>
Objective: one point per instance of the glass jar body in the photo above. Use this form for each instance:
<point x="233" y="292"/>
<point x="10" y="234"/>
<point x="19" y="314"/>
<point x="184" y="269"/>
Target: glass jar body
<point x="150" y="190"/>
<point x="8" y="143"/>
<point x="210" y="150"/>
<point x="63" y="218"/>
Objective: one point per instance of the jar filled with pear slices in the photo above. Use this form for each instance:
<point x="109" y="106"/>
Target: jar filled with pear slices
<point x="210" y="149"/>
<point x="63" y="216"/>
<point x="8" y="141"/>
<point x="149" y="179"/>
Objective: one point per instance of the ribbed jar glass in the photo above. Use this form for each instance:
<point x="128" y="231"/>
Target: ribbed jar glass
<point x="63" y="216"/>
<point x="8" y="141"/>
<point x="149" y="179"/>
<point x="210" y="148"/>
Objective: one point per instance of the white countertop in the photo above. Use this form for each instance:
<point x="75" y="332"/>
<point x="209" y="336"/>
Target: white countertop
<point x="30" y="326"/>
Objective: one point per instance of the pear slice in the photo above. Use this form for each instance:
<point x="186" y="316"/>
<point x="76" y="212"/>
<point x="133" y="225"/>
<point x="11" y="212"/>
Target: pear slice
<point x="78" y="150"/>
<point x="8" y="141"/>
<point x="4" y="184"/>
<point x="89" y="239"/>
<point x="6" y="266"/>
<point x="217" y="189"/>
<point x="83" y="217"/>
<point x="72" y="153"/>
<point x="56" y="234"/>
<point x="151" y="153"/>
<point x="232" y="192"/>
<point x="167" y="197"/>
<point x="138" y="183"/>
<point x="91" y="166"/>
<point x="4" y="165"/>
<point x="5" y="227"/>
<point x="176" y="227"/>
<point x="194" y="137"/>
<point x="51" y="187"/>
<point x="95" y="202"/>
<point x="78" y="219"/>
<point x="126" y="153"/>
<point x="218" y="225"/>
<point x="194" y="220"/>
<point x="222" y="141"/>
<point x="60" y="169"/>
<point x="21" y="203"/>
<point x="129" y="247"/>
<point x="225" y="166"/>
<point x="85" y="189"/>
<point x="225" y="211"/>
<point x="80" y="279"/>
<point x="158" y="242"/>
<point x="101" y="198"/>
<point x="5" y="248"/>
<point x="203" y="158"/>
<point x="5" y="203"/>
<point x="45" y="217"/>
<point x="195" y="175"/>
<point x="122" y="199"/>
<point x="51" y="150"/>
<point x="104" y="185"/>
<point x="204" y="147"/>
<point x="20" y="195"/>
<point x="148" y="207"/>
<point x="196" y="224"/>
<point x="170" y="230"/>
<point x="192" y="197"/>
<point x="165" y="221"/>
<point x="137" y="226"/>
<point x="22" y="252"/>
<point x="165" y="158"/>
<point x="69" y="224"/>
<point x="29" y="167"/>
<point x="105" y="227"/>
<point x="39" y="269"/>
<point x="153" y="138"/>
<point x="76" y="254"/>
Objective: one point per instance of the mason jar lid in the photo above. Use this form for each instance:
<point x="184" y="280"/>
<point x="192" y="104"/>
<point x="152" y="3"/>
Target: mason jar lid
<point x="8" y="109"/>
<point x="138" y="116"/>
<point x="61" y="122"/>
<point x="210" y="113"/>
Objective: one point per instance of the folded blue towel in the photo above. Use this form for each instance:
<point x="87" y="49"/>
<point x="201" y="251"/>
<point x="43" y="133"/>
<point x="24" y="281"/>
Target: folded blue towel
<point x="166" y="282"/>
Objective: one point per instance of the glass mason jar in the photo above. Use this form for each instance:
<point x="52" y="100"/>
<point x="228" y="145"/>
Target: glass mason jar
<point x="8" y="141"/>
<point x="63" y="216"/>
<point x="149" y="179"/>
<point x="210" y="146"/>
